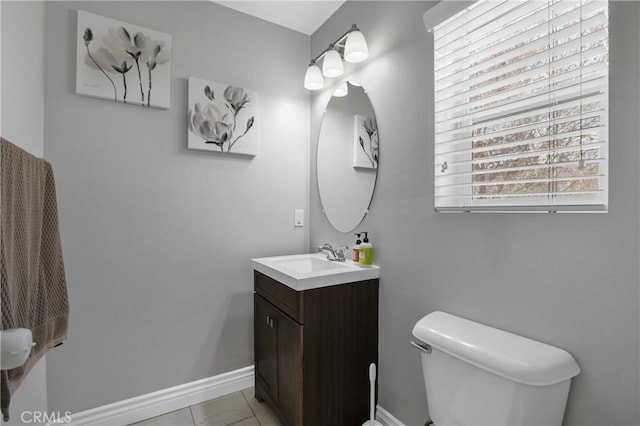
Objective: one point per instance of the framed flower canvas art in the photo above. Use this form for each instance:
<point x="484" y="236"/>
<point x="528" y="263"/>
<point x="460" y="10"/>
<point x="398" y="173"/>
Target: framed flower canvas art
<point x="222" y="118"/>
<point x="365" y="142"/>
<point x="122" y="62"/>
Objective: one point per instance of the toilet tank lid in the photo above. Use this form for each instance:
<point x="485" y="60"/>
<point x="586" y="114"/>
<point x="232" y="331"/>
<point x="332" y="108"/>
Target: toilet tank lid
<point x="505" y="354"/>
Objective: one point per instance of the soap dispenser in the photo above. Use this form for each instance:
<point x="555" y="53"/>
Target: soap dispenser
<point x="356" y="248"/>
<point x="365" y="257"/>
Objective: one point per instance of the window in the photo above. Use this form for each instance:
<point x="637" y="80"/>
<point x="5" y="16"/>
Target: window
<point x="521" y="106"/>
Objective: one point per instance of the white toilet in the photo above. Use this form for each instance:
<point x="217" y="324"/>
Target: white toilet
<point x="477" y="375"/>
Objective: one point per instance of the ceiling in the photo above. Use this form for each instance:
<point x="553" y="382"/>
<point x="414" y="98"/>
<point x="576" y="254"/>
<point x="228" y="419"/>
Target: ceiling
<point x="304" y="16"/>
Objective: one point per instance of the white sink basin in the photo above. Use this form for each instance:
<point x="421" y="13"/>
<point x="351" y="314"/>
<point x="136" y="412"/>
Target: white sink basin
<point x="309" y="265"/>
<point x="309" y="271"/>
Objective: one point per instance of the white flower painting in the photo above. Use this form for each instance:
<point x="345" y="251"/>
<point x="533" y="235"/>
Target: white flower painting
<point x="122" y="62"/>
<point x="222" y="118"/>
<point x="365" y="142"/>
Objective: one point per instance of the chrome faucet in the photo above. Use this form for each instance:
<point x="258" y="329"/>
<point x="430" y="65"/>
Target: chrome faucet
<point x="336" y="255"/>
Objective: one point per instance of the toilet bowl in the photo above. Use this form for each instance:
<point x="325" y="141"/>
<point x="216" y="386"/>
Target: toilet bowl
<point x="476" y="375"/>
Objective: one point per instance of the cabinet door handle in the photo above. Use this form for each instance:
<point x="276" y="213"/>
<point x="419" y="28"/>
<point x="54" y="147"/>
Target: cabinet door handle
<point x="269" y="321"/>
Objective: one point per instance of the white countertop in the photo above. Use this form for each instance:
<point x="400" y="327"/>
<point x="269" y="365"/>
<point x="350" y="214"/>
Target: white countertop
<point x="312" y="270"/>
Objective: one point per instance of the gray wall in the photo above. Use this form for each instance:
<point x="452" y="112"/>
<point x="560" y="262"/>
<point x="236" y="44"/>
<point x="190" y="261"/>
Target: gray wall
<point x="570" y="280"/>
<point x="23" y="74"/>
<point x="158" y="238"/>
<point x="22" y="106"/>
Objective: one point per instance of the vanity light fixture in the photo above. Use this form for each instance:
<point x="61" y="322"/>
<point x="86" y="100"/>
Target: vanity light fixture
<point x="313" y="78"/>
<point x="355" y="48"/>
<point x="351" y="46"/>
<point x="341" y="91"/>
<point x="332" y="64"/>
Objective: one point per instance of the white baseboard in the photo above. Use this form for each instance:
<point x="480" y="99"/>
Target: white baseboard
<point x="164" y="401"/>
<point x="386" y="418"/>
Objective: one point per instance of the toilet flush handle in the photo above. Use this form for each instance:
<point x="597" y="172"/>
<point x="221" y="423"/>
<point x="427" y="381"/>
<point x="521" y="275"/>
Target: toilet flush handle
<point x="422" y="347"/>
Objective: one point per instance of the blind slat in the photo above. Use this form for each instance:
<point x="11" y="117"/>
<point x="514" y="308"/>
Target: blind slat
<point x="525" y="194"/>
<point x="517" y="155"/>
<point x="520" y="181"/>
<point x="476" y="11"/>
<point x="564" y="27"/>
<point x="562" y="74"/>
<point x="479" y="12"/>
<point x="594" y="60"/>
<point x="507" y="136"/>
<point x="524" y="208"/>
<point x="533" y="116"/>
<point x="552" y="140"/>
<point x="463" y="48"/>
<point x="523" y="103"/>
<point x="472" y="174"/>
<point x="539" y="43"/>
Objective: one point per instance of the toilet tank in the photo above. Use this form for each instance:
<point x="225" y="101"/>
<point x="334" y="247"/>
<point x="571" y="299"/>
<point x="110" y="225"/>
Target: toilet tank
<point x="478" y="375"/>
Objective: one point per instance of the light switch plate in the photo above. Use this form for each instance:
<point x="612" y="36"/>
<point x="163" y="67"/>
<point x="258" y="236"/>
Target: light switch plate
<point x="298" y="218"/>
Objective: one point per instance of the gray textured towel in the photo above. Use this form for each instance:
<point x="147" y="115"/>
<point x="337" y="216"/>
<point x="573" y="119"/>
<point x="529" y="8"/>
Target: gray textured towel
<point x="34" y="289"/>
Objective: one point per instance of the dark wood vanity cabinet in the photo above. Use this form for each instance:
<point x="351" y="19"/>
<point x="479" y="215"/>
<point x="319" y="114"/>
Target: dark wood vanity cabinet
<point x="278" y="359"/>
<point x="313" y="349"/>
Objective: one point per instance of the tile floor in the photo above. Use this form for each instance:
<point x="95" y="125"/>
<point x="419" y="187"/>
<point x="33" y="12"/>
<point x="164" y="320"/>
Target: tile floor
<point x="237" y="409"/>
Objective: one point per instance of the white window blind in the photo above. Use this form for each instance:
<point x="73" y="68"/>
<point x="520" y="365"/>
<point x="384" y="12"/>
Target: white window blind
<point x="521" y="106"/>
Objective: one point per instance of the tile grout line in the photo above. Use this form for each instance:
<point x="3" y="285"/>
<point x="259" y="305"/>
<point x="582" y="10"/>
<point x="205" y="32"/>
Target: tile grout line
<point x="250" y="407"/>
<point x="242" y="420"/>
<point x="253" y="415"/>
<point x="193" y="419"/>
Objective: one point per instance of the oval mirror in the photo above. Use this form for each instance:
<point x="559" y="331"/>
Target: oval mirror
<point x="347" y="158"/>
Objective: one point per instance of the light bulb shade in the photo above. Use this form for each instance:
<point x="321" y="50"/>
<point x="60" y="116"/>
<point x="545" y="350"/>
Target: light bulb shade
<point x="313" y="78"/>
<point x="355" y="48"/>
<point x="332" y="64"/>
<point x="341" y="91"/>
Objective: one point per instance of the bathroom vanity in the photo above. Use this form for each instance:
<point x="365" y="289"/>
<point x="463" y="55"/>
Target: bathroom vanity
<point x="315" y="335"/>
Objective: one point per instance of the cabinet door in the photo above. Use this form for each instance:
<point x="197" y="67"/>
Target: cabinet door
<point x="266" y="345"/>
<point x="290" y="371"/>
